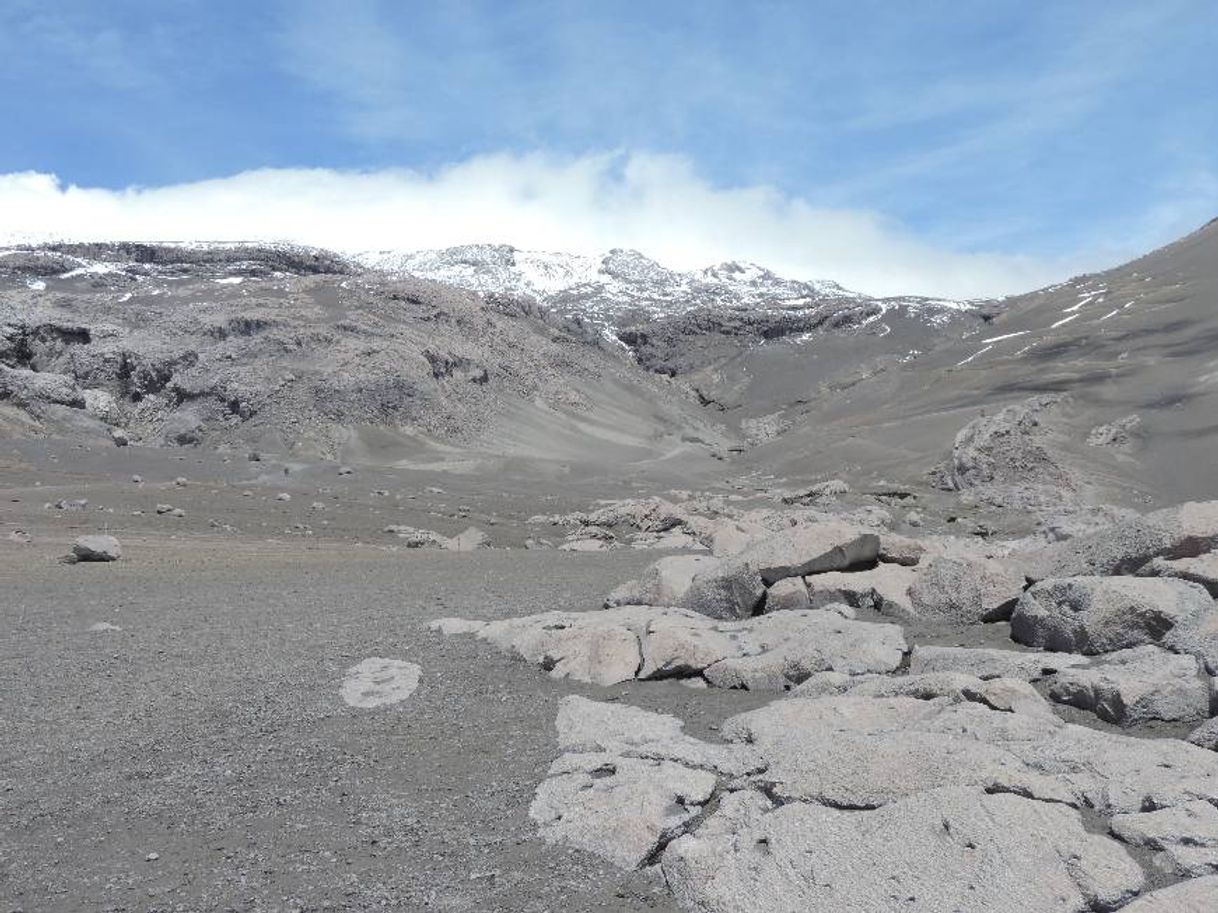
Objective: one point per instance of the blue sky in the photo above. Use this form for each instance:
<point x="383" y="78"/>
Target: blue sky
<point x="1046" y="136"/>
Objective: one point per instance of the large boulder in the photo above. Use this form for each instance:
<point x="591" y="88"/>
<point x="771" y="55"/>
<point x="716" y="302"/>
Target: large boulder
<point x="1186" y="531"/>
<point x="942" y="799"/>
<point x="1005" y="447"/>
<point x="727" y="589"/>
<point x="1136" y="686"/>
<point x="1102" y="614"/>
<point x="884" y="588"/>
<point x="31" y="389"/>
<point x="664" y="583"/>
<point x="97" y="547"/>
<point x="803" y="550"/>
<point x="965" y="590"/>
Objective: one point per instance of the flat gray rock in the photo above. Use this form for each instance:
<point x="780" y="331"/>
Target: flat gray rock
<point x="955" y="849"/>
<point x="376" y="682"/>
<point x="859" y="752"/>
<point x="628" y="781"/>
<point x="1185" y="836"/>
<point x="1197" y="896"/>
<point x="986" y="663"/>
<point x="1101" y="614"/>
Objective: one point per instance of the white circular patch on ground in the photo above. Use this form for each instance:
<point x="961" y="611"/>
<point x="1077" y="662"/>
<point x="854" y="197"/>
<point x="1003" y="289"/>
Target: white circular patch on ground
<point x="377" y="681"/>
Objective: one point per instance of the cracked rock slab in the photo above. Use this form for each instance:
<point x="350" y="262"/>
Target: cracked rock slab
<point x="955" y="849"/>
<point x="858" y="752"/>
<point x="986" y="663"/>
<point x="629" y="780"/>
<point x="1197" y="896"/>
<point x="1185" y="837"/>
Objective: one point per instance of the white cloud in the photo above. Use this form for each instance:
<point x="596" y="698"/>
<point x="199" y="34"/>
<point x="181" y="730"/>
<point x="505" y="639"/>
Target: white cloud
<point x="656" y="204"/>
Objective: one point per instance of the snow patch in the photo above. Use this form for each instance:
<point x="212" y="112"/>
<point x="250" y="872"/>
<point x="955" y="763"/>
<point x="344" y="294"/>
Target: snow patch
<point x="974" y="355"/>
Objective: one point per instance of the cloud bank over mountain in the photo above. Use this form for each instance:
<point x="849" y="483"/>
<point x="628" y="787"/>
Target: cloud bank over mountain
<point x="658" y="204"/>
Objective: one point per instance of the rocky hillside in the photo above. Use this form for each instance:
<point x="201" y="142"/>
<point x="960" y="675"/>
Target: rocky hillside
<point x="299" y="349"/>
<point x="1119" y="368"/>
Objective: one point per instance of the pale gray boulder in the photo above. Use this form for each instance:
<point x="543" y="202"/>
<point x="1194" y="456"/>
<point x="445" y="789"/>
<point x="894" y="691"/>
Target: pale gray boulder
<point x="965" y="590"/>
<point x="1197" y="635"/>
<point x="769" y="652"/>
<point x="1008" y="447"/>
<point x="1101" y="614"/>
<point x="1185" y="837"/>
<point x="1185" y="531"/>
<point x="987" y="663"/>
<point x="1138" y="685"/>
<point x="34" y="388"/>
<point x="896" y="549"/>
<point x="955" y="849"/>
<point x="468" y="540"/>
<point x="1205" y="735"/>
<point x="97" y="547"/>
<point x="663" y="583"/>
<point x="812" y="549"/>
<point x="884" y="588"/>
<point x="789" y="594"/>
<point x="776" y="652"/>
<point x="1202" y="570"/>
<point x="1199" y="895"/>
<point x="726" y="590"/>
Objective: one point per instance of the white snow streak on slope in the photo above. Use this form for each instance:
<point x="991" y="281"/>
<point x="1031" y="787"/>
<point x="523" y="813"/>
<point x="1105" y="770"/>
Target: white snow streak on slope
<point x="974" y="355"/>
<point x="1007" y="336"/>
<point x="1064" y="320"/>
<point x="1112" y="313"/>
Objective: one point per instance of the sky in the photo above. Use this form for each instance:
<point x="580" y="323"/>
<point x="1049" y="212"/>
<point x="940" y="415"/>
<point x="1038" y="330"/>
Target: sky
<point x="963" y="149"/>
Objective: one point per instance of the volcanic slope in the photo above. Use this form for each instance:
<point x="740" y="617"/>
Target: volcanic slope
<point x="1131" y="352"/>
<point x="300" y="351"/>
